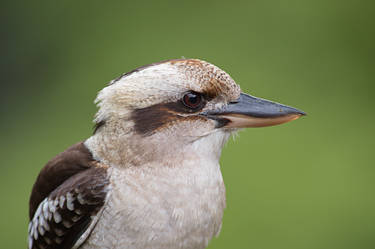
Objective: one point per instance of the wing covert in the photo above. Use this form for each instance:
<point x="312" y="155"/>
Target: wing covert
<point x="59" y="219"/>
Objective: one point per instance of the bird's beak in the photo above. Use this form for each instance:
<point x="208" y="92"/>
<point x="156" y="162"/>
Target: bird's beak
<point x="249" y="111"/>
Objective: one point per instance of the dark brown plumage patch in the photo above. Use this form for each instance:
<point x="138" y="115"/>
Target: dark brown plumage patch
<point x="147" y="120"/>
<point x="75" y="159"/>
<point x="69" y="190"/>
<point x="151" y="118"/>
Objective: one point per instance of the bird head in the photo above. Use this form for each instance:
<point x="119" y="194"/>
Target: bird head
<point x="182" y="106"/>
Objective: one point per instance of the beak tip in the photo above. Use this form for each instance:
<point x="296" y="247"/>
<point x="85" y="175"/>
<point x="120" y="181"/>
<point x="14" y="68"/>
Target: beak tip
<point x="295" y="111"/>
<point x="296" y="115"/>
<point x="301" y="113"/>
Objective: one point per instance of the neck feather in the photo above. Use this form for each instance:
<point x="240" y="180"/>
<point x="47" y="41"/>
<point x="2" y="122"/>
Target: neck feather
<point x="129" y="149"/>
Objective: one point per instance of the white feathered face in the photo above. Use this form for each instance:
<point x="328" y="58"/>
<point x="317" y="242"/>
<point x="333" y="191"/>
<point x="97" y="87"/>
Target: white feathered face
<point x="173" y="104"/>
<point x="168" y="95"/>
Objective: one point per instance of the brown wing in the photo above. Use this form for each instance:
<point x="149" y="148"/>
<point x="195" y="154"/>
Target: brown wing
<point x="68" y="193"/>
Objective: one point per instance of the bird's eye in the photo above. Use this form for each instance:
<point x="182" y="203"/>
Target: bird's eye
<point x="193" y="100"/>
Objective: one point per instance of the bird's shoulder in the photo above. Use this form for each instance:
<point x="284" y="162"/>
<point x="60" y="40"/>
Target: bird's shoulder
<point x="66" y="199"/>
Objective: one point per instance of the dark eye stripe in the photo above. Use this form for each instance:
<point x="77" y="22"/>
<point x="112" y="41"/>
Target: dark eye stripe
<point x="148" y="119"/>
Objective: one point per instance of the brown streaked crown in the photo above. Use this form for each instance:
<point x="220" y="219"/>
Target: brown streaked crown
<point x="211" y="79"/>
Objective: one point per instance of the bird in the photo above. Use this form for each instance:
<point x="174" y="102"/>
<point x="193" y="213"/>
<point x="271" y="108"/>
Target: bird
<point x="149" y="176"/>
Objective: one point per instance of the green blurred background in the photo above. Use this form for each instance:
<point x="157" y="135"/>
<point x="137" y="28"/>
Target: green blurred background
<point x="308" y="184"/>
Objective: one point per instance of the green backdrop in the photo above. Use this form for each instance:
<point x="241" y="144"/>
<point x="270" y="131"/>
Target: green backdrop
<point x="308" y="184"/>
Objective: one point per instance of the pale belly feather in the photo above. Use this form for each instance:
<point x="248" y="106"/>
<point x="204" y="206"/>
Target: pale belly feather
<point x="171" y="207"/>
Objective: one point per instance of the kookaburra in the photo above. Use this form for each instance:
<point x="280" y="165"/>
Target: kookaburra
<point x="149" y="176"/>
